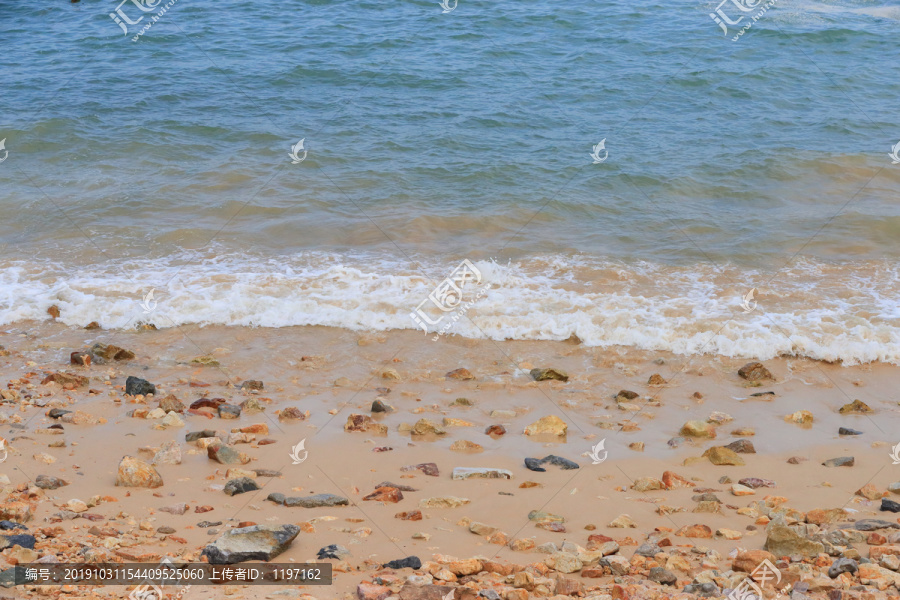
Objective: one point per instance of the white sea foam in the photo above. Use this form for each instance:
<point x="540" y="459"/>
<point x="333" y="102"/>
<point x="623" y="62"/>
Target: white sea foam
<point x="830" y="312"/>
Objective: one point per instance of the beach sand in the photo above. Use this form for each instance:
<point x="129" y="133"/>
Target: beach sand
<point x="333" y="373"/>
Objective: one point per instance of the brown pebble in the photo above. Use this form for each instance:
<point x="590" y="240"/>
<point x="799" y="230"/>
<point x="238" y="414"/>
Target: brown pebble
<point x="203" y="509"/>
<point x="53" y="311"/>
<point x="265" y="442"/>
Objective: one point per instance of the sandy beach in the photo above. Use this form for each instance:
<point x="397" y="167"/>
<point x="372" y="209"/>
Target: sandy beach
<point x="327" y="375"/>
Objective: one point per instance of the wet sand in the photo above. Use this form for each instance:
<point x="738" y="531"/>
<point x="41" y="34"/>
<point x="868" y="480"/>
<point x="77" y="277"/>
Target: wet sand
<point x="334" y="373"/>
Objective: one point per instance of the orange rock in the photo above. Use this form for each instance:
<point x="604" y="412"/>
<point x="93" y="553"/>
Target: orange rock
<point x="748" y="560"/>
<point x="869" y="492"/>
<point x="673" y="481"/>
<point x="385" y="494"/>
<point x="465" y="567"/>
<point x="695" y="531"/>
<point x="412" y="515"/>
<point x="876" y="539"/>
<point x="876" y="552"/>
<point x="260" y="428"/>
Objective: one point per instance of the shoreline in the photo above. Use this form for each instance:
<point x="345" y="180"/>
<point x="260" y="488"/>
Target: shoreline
<point x="334" y="373"/>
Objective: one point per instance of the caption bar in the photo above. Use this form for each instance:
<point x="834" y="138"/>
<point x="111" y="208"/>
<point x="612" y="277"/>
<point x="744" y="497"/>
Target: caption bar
<point x="172" y="574"/>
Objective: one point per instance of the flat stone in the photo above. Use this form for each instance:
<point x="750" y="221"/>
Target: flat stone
<point x="316" y="501"/>
<point x="848" y="431"/>
<point x="742" y="446"/>
<point x="193" y="436"/>
<point x="47" y="482"/>
<point x="259" y="542"/>
<point x="874" y="525"/>
<point x="175" y="509"/>
<point x="460" y="374"/>
<point x="426" y="427"/>
<point x="254" y="385"/>
<point x="481" y="473"/>
<point x="857" y="406"/>
<point x="841" y="461"/>
<point x="551" y="425"/>
<point x="430" y="469"/>
<point x="443" y="502"/>
<point x="782" y="540"/>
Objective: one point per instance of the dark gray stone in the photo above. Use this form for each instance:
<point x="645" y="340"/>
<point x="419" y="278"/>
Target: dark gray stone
<point x="848" y="431"/>
<point x="193" y="436"/>
<point x="259" y="542"/>
<point x="21" y="539"/>
<point x="333" y="551"/>
<point x="410" y="562"/>
<point x="890" y="505"/>
<point x="240" y="485"/>
<point x="874" y="525"/>
<point x="135" y="386"/>
<point x="842" y="565"/>
<point x="662" y="576"/>
<point x="649" y="550"/>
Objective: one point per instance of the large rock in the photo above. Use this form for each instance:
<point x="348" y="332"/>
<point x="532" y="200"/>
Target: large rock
<point x="782" y="540"/>
<point x="136" y="473"/>
<point x="550" y="424"/>
<point x="754" y="371"/>
<point x="259" y="542"/>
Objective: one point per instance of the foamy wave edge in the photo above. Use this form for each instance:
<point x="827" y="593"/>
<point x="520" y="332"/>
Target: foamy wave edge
<point x="822" y="312"/>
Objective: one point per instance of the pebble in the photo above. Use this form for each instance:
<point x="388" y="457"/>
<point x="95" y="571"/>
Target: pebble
<point x="841" y="461"/>
<point x="239" y="486"/>
<point x="848" y="431"/>
<point x="135" y="386"/>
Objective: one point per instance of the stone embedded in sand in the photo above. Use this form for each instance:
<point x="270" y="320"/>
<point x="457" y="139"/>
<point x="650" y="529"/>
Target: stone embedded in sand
<point x="80" y="358"/>
<point x="656" y="380"/>
<point x="451" y="422"/>
<point x="252" y="405"/>
<point x="259" y="542"/>
<point x="662" y="576"/>
<point x="695" y="531"/>
<point x="720" y="455"/>
<point x="869" y="492"/>
<point x="841" y="461"/>
<point x="564" y="562"/>
<point x="169" y="454"/>
<point x="551" y="425"/>
<point x="742" y="447"/>
<point x="857" y="406"/>
<point x="313" y="501"/>
<point x="378" y="406"/>
<point x="193" y="436"/>
<point x="430" y="469"/>
<point x="756" y="482"/>
<point x="481" y="473"/>
<point x="481" y="528"/>
<point x="724" y="533"/>
<point x="390" y="374"/>
<point x="364" y="423"/>
<point x="672" y="481"/>
<point x="135" y="386"/>
<point x="427" y="426"/>
<point x="171" y="404"/>
<point x="461" y="374"/>
<point x="292" y="413"/>
<point x="410" y="515"/>
<point x="848" y="431"/>
<point x="819" y="516"/>
<point x="47" y="482"/>
<point x="385" y="494"/>
<point x="698" y="429"/>
<point x="226" y="455"/>
<point x="754" y="371"/>
<point x="136" y="473"/>
<point x="67" y="380"/>
<point x="626" y="395"/>
<point x="229" y="411"/>
<point x="253" y="385"/>
<point x="719" y="418"/>
<point x="171" y="420"/>
<point x="623" y="522"/>
<point x="801" y="417"/>
<point x="443" y="502"/>
<point x="747" y="560"/>
<point x="647" y="484"/>
<point x="549" y="374"/>
<point x="175" y="509"/>
<point x="110" y="352"/>
<point x="240" y="486"/>
<point x="782" y="540"/>
<point x="466" y="446"/>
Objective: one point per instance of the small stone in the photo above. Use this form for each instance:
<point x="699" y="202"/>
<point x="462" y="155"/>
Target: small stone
<point x="720" y="455"/>
<point x="240" y="486"/>
<point x="741" y="490"/>
<point x="252" y="406"/>
<point x="848" y="431"/>
<point x="756" y="482"/>
<point x="698" y="429"/>
<point x="869" y="492"/>
<point x="495" y="430"/>
<point x="754" y="371"/>
<point x="662" y="576"/>
<point x="547" y="374"/>
<point x="673" y="481"/>
<point x="66" y="380"/>
<point x="460" y="374"/>
<point x="551" y="425"/>
<point x="385" y="494"/>
<point x="253" y="385"/>
<point x="647" y="484"/>
<point x="226" y="455"/>
<point x="695" y="531"/>
<point x="430" y="469"/>
<point x="782" y="540"/>
<point x="169" y="454"/>
<point x="410" y="515"/>
<point x="801" y="417"/>
<point x="443" y="502"/>
<point x="390" y="374"/>
<point x="333" y="551"/>
<point x="842" y="565"/>
<point x="171" y="420"/>
<point x="481" y="473"/>
<point x="314" y="501"/>
<point x="656" y="380"/>
<point x="841" y="461"/>
<point x="46" y="482"/>
<point x="171" y="404"/>
<point x="857" y="406"/>
<point x="229" y="411"/>
<point x="889" y="505"/>
<point x="193" y="436"/>
<point x="379" y="407"/>
<point x="637" y="446"/>
<point x="742" y="446"/>
<point x="623" y="522"/>
<point x="136" y="473"/>
<point x="292" y="413"/>
<point x="135" y="386"/>
<point x="175" y="509"/>
<point x="80" y="358"/>
<point x="410" y="562"/>
<point x="466" y="446"/>
<point x="426" y="427"/>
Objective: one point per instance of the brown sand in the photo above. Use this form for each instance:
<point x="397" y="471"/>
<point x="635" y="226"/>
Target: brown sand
<point x="300" y="367"/>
